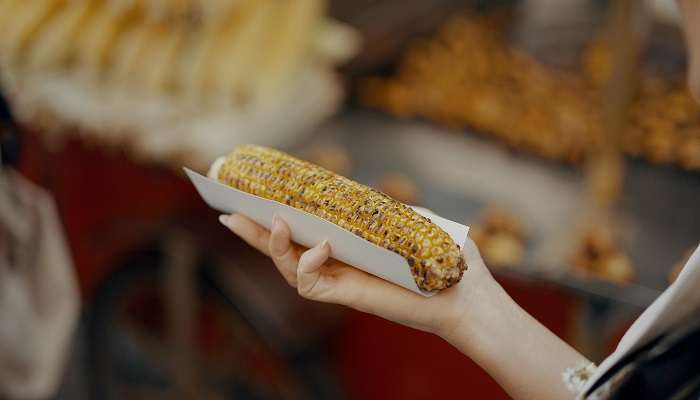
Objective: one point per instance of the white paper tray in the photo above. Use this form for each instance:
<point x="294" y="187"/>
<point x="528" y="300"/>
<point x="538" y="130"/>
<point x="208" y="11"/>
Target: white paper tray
<point x="309" y="230"/>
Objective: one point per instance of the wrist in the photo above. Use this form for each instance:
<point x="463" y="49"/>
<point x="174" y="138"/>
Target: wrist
<point x="478" y="297"/>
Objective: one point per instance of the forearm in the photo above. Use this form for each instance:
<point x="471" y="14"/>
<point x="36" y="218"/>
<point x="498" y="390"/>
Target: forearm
<point x="523" y="356"/>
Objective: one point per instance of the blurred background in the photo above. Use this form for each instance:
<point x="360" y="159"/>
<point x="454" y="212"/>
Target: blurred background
<point x="560" y="131"/>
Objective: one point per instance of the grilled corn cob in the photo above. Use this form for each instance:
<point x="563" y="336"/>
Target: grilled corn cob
<point x="435" y="261"/>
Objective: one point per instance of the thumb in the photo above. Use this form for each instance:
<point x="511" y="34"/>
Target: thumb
<point x="309" y="269"/>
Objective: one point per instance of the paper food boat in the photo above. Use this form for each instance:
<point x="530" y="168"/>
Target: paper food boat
<point x="309" y="230"/>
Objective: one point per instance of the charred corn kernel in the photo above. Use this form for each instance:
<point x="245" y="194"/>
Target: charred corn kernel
<point x="435" y="261"/>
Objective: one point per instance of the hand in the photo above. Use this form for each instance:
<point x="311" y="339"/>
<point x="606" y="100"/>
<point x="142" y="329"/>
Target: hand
<point x="476" y="316"/>
<point x="319" y="278"/>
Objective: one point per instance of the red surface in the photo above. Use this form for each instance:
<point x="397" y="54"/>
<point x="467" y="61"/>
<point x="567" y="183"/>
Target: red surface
<point x="377" y="359"/>
<point x="108" y="204"/>
<point x="617" y="335"/>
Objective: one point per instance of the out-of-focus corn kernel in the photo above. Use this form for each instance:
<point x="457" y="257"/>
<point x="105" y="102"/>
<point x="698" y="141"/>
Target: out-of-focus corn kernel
<point x="399" y="187"/>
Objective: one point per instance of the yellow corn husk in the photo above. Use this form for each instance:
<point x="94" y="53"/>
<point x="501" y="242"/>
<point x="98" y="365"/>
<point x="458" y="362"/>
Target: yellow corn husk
<point x="436" y="262"/>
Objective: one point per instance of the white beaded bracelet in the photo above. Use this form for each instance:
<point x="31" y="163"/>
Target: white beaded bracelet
<point x="575" y="378"/>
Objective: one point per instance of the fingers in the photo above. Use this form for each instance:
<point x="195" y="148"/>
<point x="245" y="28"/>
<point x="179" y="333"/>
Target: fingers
<point x="309" y="270"/>
<point x="342" y="284"/>
<point x="252" y="233"/>
<point x="336" y="282"/>
<point x="282" y="251"/>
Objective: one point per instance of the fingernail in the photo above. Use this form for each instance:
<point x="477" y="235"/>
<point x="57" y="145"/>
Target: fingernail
<point x="275" y="219"/>
<point x="223" y="218"/>
<point x="319" y="249"/>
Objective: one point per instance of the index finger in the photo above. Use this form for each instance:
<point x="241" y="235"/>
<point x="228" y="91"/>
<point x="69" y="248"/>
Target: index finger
<point x="252" y="233"/>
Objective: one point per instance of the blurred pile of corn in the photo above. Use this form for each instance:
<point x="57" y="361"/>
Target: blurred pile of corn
<point x="238" y="49"/>
<point x="172" y="80"/>
<point x="467" y="75"/>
